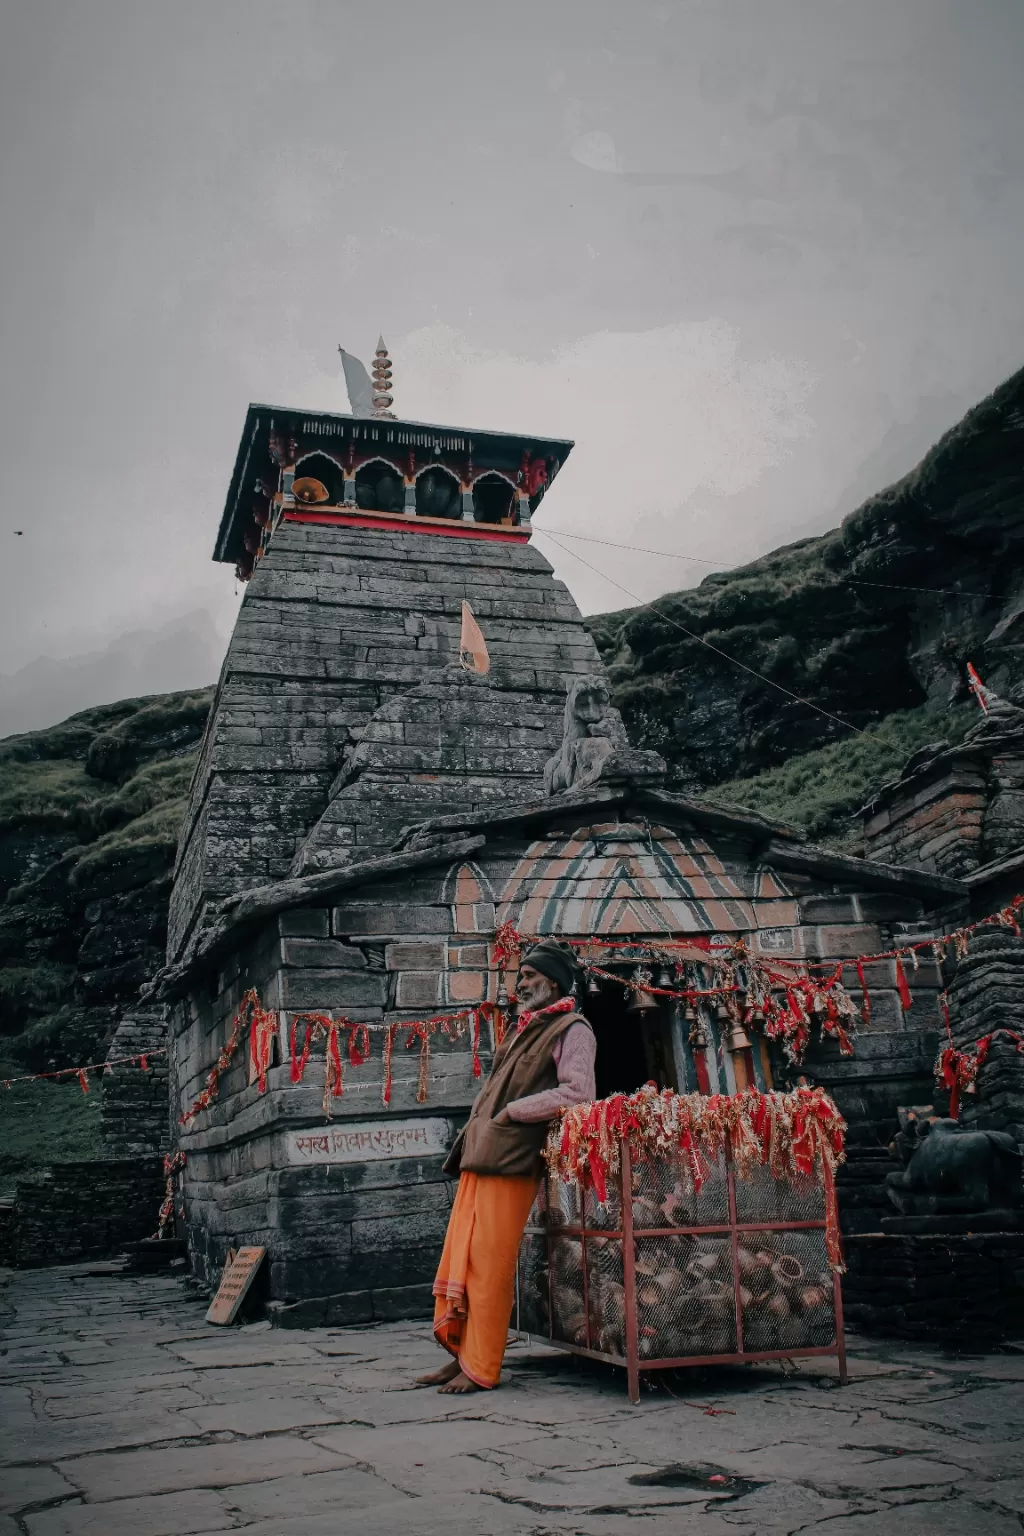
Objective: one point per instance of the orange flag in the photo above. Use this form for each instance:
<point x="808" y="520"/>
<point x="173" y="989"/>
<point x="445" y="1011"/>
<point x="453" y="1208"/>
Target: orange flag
<point x="472" y="646"/>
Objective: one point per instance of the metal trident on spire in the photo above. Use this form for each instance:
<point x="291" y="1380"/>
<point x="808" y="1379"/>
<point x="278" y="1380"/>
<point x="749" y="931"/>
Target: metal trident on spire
<point x="383" y="399"/>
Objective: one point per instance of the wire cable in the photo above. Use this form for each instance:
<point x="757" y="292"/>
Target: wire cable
<point x="849" y="581"/>
<point x="700" y="638"/>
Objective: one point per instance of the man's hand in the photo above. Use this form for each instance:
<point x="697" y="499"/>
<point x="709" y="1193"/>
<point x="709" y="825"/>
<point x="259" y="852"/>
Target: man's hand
<point x="503" y="1119"/>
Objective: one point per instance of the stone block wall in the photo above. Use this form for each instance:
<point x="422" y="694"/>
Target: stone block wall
<point x="932" y="819"/>
<point x="895" y="1048"/>
<point x="86" y="1210"/>
<point x="336" y="622"/>
<point x="962" y="1289"/>
<point x="134" y="1106"/>
<point x="954" y="808"/>
<point x="351" y="1239"/>
<point x="353" y="1234"/>
<point x="986" y="995"/>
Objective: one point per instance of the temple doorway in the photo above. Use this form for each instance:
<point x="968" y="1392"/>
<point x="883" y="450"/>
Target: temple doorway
<point x="633" y="1046"/>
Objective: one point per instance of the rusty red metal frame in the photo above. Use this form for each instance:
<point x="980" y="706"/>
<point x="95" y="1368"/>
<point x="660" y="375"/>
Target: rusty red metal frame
<point x="627" y="1235"/>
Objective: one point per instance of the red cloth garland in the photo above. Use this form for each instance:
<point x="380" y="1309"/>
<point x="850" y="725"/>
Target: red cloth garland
<point x="794" y="1134"/>
<point x="957" y="1071"/>
<point x="526" y="1018"/>
<point x="902" y="987"/>
<point x="203" y="1100"/>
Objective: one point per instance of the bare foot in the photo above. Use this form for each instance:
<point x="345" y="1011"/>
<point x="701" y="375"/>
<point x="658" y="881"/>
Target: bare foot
<point x="461" y="1383"/>
<point x="437" y="1378"/>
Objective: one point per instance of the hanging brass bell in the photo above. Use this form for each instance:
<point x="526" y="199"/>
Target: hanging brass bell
<point x="593" y="986"/>
<point x="737" y="1039"/>
<point x="664" y="977"/>
<point x="642" y="1001"/>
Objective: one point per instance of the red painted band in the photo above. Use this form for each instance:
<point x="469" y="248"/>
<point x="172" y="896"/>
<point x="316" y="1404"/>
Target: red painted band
<point x="411" y="525"/>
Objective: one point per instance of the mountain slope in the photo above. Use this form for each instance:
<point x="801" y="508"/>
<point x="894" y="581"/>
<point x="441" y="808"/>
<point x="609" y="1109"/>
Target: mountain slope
<point x="876" y="618"/>
<point x="89" y="817"/>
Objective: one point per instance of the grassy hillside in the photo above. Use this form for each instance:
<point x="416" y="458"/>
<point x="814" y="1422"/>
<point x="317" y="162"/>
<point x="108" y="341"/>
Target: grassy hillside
<point x="822" y="790"/>
<point x="45" y="1123"/>
<point x="89" y="817"/>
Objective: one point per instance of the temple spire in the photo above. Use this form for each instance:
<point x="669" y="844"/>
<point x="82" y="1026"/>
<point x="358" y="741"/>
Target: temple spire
<point x="383" y="399"/>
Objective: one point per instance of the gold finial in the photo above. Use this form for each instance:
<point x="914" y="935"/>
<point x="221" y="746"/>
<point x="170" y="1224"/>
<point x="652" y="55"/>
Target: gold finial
<point x="383" y="399"/>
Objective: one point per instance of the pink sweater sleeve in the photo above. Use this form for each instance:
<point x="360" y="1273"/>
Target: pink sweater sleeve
<point x="574" y="1056"/>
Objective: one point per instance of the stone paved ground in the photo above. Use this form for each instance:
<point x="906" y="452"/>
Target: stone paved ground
<point x="123" y="1414"/>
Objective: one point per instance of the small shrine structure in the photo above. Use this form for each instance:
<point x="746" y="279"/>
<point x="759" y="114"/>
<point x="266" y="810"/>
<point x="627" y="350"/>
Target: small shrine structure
<point x="370" y="813"/>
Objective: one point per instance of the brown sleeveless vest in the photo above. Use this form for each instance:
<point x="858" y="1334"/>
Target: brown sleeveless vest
<point x="523" y="1065"/>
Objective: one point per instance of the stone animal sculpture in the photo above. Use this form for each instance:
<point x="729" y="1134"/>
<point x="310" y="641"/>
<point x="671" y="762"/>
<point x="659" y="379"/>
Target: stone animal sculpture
<point x="592" y="730"/>
<point x="915" y="1121"/>
<point x="956" y="1170"/>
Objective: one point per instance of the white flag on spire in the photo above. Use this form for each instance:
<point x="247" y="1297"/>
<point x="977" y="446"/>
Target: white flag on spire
<point x="357" y="382"/>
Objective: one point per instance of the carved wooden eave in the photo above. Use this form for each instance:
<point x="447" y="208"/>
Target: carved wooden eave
<point x="393" y="439"/>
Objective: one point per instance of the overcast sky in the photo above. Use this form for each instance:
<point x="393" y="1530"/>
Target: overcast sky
<point x="752" y="256"/>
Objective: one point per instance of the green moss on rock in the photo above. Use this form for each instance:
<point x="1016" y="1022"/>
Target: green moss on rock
<point x="90" y="813"/>
<point x="821" y="791"/>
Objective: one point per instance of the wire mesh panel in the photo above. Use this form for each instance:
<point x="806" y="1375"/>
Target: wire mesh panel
<point x="661" y="1280"/>
<point x="568" y="1303"/>
<point x="606" y="1295"/>
<point x="664" y="1194"/>
<point x="685" y="1297"/>
<point x="786" y="1290"/>
<point x="762" y="1197"/>
<point x="605" y="1215"/>
<point x="564" y="1208"/>
<point x="532" y="1284"/>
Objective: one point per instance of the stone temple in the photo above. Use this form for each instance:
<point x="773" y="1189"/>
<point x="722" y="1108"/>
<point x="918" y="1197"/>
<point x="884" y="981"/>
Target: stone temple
<point x="367" y="812"/>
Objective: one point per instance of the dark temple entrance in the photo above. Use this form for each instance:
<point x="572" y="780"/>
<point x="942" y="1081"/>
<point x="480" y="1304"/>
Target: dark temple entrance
<point x="632" y="1047"/>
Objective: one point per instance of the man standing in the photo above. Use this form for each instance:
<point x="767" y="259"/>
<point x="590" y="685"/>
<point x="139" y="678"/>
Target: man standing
<point x="544" y="1064"/>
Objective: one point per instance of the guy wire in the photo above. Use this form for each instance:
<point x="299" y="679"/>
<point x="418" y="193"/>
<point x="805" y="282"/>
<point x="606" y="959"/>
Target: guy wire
<point x="700" y="638"/>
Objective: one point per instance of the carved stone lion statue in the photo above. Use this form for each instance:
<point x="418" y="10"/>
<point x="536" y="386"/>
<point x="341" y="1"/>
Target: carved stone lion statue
<point x="592" y="730"/>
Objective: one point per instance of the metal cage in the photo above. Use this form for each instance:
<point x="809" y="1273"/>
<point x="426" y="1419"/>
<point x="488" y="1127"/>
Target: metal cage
<point x="661" y="1276"/>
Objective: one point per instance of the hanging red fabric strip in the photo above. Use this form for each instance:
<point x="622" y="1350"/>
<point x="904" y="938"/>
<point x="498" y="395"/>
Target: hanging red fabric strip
<point x="906" y="1001"/>
<point x="389" y="1045"/>
<point x="477" y="1068"/>
<point x="358" y="1044"/>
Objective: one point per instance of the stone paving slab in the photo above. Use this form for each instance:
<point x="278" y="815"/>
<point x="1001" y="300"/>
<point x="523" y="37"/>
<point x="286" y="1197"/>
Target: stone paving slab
<point x="123" y="1414"/>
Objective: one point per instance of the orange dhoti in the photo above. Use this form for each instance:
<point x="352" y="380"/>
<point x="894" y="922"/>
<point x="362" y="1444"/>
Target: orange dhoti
<point x="475" y="1284"/>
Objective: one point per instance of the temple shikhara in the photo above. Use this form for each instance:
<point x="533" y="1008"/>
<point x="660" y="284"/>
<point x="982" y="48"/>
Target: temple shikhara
<point x="411" y="765"/>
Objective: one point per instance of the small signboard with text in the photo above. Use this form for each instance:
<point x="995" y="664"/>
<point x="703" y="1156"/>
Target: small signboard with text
<point x="239" y="1273"/>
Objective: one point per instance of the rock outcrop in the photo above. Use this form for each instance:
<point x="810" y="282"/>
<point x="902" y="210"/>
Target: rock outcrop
<point x="879" y="615"/>
<point x="89" y="818"/>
